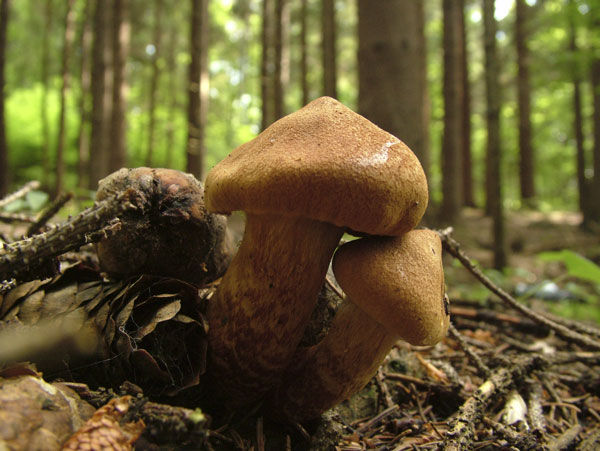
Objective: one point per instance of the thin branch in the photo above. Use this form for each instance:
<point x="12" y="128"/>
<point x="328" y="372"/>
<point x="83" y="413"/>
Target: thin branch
<point x="453" y="247"/>
<point x="19" y="258"/>
<point x="48" y="212"/>
<point x="482" y="367"/>
<point x="21" y="192"/>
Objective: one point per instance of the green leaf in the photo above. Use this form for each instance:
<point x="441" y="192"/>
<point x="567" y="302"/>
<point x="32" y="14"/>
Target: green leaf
<point x="577" y="265"/>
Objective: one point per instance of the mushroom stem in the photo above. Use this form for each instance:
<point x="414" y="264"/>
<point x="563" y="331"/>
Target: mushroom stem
<point x="265" y="301"/>
<point x="329" y="372"/>
<point x="395" y="290"/>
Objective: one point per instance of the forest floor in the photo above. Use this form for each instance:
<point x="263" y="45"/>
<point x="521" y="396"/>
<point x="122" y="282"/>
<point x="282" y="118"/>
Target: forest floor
<point x="502" y="379"/>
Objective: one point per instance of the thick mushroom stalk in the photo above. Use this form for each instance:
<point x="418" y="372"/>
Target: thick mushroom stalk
<point x="301" y="182"/>
<point x="395" y="290"/>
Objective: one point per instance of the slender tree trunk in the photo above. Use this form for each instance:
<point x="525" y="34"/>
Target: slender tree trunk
<point x="304" y="52"/>
<point x="48" y="14"/>
<point x="120" y="49"/>
<point x="468" y="194"/>
<point x="392" y="70"/>
<point x="281" y="76"/>
<point x="4" y="16"/>
<point x="198" y="88"/>
<point x="582" y="185"/>
<point x="595" y="84"/>
<point x="493" y="137"/>
<point x="266" y="65"/>
<point x="154" y="79"/>
<point x="98" y="159"/>
<point x="453" y="113"/>
<point x="83" y="141"/>
<point x="329" y="45"/>
<point x="66" y="78"/>
<point x="524" y="101"/>
<point x="172" y="83"/>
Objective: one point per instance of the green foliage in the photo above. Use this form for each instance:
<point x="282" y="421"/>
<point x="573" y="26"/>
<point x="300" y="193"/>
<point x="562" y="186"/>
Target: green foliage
<point x="576" y="265"/>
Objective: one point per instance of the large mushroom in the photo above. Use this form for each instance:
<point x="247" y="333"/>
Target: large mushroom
<point x="395" y="290"/>
<point x="173" y="235"/>
<point x="302" y="182"/>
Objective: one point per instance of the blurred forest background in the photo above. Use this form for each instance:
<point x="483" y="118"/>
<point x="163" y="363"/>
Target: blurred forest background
<point x="499" y="99"/>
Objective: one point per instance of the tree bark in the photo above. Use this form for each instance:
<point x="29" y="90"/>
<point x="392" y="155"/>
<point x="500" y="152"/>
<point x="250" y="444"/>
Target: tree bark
<point x="304" y="52"/>
<point x="66" y="78"/>
<point x="197" y="88"/>
<point x="595" y="85"/>
<point x="4" y="16"/>
<point x="468" y="194"/>
<point x="582" y="185"/>
<point x="453" y="113"/>
<point x="45" y="75"/>
<point x="328" y="47"/>
<point x="526" y="152"/>
<point x="83" y="141"/>
<point x="98" y="158"/>
<point x="154" y="79"/>
<point x="392" y="75"/>
<point x="282" y="63"/>
<point x="172" y="83"/>
<point x="492" y="89"/>
<point x="266" y="65"/>
<point x="120" y="50"/>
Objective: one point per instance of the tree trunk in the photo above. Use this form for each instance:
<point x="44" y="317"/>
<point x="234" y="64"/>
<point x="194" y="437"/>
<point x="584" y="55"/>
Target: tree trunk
<point x="154" y="78"/>
<point x="266" y="65"/>
<point x="197" y="88"/>
<point x="282" y="63"/>
<point x="120" y="49"/>
<point x="66" y="57"/>
<point x="524" y="101"/>
<point x="492" y="89"/>
<point x="595" y="84"/>
<point x="468" y="194"/>
<point x="4" y="11"/>
<point x="392" y="76"/>
<point x="304" y="52"/>
<point x="453" y="113"/>
<point x="328" y="45"/>
<point x="83" y="141"/>
<point x="582" y="186"/>
<point x="45" y="75"/>
<point x="98" y="158"/>
<point x="172" y="83"/>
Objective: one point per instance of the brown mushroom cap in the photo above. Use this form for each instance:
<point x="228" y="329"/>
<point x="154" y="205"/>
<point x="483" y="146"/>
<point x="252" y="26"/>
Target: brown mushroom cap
<point x="399" y="282"/>
<point x="326" y="163"/>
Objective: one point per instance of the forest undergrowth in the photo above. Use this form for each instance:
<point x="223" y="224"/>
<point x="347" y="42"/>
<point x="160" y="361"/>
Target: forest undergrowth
<point x="511" y="374"/>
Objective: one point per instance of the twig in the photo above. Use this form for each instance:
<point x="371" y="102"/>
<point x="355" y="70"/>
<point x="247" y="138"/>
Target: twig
<point x="453" y="247"/>
<point x="566" y="438"/>
<point x="21" y="192"/>
<point x="18" y="258"/>
<point x="535" y="412"/>
<point x="482" y="367"/>
<point x="15" y="217"/>
<point x="377" y="418"/>
<point x="48" y="212"/>
<point x="383" y="390"/>
<point x="460" y="433"/>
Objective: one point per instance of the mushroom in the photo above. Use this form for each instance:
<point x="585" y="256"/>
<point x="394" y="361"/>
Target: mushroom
<point x="301" y="183"/>
<point x="174" y="235"/>
<point x="395" y="290"/>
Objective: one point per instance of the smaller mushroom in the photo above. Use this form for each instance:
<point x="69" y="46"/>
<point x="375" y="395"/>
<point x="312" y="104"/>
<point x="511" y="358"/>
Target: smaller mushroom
<point x="174" y="235"/>
<point x="395" y="290"/>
